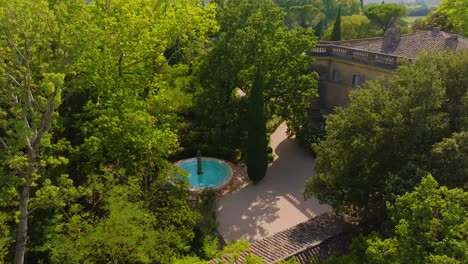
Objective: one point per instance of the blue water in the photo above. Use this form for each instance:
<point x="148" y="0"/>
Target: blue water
<point x="215" y="172"/>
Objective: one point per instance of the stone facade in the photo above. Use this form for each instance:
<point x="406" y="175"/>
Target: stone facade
<point x="344" y="66"/>
<point x="338" y="77"/>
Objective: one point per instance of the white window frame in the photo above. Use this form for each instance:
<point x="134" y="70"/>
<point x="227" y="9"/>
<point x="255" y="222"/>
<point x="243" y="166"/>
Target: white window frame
<point x="356" y="81"/>
<point x="336" y="75"/>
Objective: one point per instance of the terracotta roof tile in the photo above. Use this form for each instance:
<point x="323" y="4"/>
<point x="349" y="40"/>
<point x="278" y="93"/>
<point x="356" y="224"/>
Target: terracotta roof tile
<point x="410" y="45"/>
<point x="320" y="252"/>
<point x="294" y="240"/>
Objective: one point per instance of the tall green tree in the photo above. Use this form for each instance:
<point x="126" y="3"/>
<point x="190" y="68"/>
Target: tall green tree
<point x="428" y="226"/>
<point x="37" y="51"/>
<point x="306" y="16"/>
<point x="336" y="33"/>
<point x="253" y="34"/>
<point x="456" y="11"/>
<point x="354" y="27"/>
<point x="387" y="127"/>
<point x="385" y="15"/>
<point x="133" y="228"/>
<point x="125" y="80"/>
<point x="6" y="238"/>
<point x="111" y="89"/>
<point x="257" y="143"/>
<point x="124" y="124"/>
<point x="435" y="19"/>
<point x="348" y="8"/>
<point x="287" y="4"/>
<point x="449" y="160"/>
<point x="329" y="8"/>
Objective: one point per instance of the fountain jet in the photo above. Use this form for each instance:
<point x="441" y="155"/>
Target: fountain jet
<point x="199" y="163"/>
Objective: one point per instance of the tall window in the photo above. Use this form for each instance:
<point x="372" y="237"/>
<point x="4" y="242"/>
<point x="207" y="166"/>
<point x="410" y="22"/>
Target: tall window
<point x="336" y="75"/>
<point x="356" y="80"/>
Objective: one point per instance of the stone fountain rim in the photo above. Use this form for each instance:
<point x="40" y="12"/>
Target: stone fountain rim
<point x="214" y="187"/>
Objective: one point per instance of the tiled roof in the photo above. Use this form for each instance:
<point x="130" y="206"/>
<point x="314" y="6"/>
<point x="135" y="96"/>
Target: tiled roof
<point x="409" y="45"/>
<point x="296" y="240"/>
<point x="319" y="253"/>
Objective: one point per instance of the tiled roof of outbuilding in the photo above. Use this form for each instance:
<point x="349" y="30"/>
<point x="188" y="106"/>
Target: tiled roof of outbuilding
<point x="410" y="45"/>
<point x="321" y="252"/>
<point x="303" y="239"/>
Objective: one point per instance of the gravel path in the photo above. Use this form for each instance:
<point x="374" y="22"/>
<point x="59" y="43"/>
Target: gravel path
<point x="276" y="203"/>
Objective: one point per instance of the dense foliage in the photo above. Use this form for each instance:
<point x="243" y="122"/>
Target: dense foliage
<point x="456" y="13"/>
<point x="253" y="34"/>
<point x="385" y="15"/>
<point x="449" y="16"/>
<point x="393" y="134"/>
<point x="354" y="27"/>
<point x="356" y="22"/>
<point x="428" y="226"/>
<point x="375" y="148"/>
<point x="336" y="32"/>
<point x="307" y="16"/>
<point x="84" y="138"/>
<point x="435" y="19"/>
<point x="317" y="14"/>
<point x="420" y="10"/>
<point x="97" y="98"/>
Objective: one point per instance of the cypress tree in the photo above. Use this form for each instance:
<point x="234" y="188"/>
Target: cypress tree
<point x="257" y="144"/>
<point x="318" y="29"/>
<point x="336" y="33"/>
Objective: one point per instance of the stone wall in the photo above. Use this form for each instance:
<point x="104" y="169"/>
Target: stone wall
<point x="336" y="92"/>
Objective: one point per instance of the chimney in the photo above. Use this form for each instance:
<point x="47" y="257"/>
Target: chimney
<point x="461" y="33"/>
<point x="435" y="31"/>
<point x="451" y="42"/>
<point x="391" y="37"/>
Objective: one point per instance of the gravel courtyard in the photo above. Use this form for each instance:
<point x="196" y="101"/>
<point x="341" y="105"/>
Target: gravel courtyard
<point x="276" y="203"/>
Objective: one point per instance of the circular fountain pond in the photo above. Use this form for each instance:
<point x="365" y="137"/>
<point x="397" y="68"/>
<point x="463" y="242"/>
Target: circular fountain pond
<point x="215" y="173"/>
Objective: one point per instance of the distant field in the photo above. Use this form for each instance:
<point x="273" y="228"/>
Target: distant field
<point x="405" y="2"/>
<point x="410" y="19"/>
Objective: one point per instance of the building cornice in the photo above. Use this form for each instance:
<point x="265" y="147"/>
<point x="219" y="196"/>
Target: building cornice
<point x="376" y="59"/>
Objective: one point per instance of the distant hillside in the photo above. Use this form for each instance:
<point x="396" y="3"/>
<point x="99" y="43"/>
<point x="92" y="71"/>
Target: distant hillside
<point x="405" y="2"/>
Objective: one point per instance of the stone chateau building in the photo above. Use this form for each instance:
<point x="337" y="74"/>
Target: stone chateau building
<point x="342" y="67"/>
<point x="345" y="65"/>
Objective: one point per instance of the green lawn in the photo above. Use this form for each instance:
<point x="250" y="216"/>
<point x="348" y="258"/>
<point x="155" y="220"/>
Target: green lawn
<point x="410" y="19"/>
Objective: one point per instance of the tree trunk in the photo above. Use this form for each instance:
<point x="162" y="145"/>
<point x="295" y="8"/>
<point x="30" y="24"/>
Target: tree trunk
<point x="21" y="237"/>
<point x="33" y="146"/>
<point x="20" y="247"/>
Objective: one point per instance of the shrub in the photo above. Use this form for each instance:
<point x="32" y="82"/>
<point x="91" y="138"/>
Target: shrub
<point x="310" y="134"/>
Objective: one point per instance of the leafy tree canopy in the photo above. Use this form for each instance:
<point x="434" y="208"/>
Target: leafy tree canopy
<point x="449" y="16"/>
<point x="434" y="19"/>
<point x="385" y="15"/>
<point x="354" y="27"/>
<point x="252" y="34"/>
<point x="348" y="8"/>
<point x="456" y="11"/>
<point x="307" y="16"/>
<point x="287" y="4"/>
<point x="449" y="160"/>
<point x="304" y="12"/>
<point x="84" y="91"/>
<point x="429" y="226"/>
<point x="390" y="126"/>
